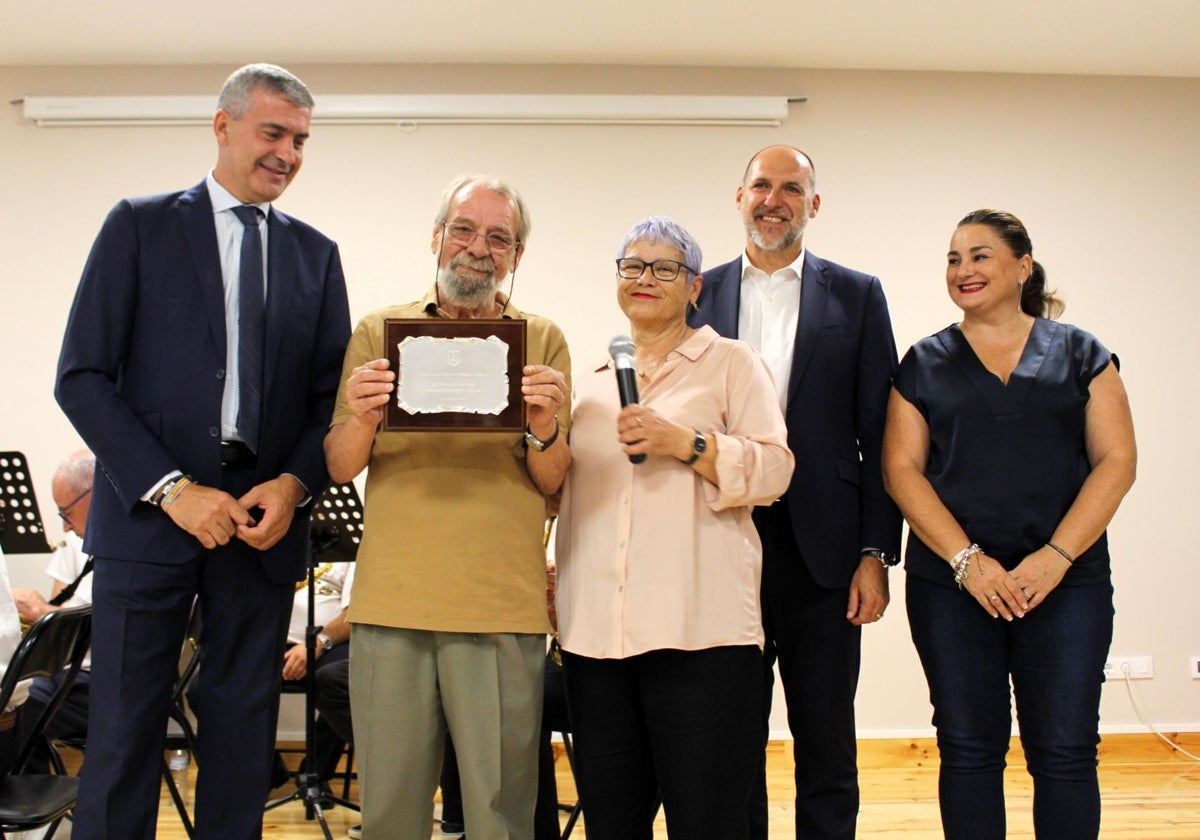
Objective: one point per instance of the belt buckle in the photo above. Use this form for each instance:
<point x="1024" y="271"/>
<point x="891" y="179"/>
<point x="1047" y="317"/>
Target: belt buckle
<point x="232" y="453"/>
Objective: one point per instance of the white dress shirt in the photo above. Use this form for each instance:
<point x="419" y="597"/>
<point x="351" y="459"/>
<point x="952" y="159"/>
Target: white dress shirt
<point x="768" y="316"/>
<point x="10" y="633"/>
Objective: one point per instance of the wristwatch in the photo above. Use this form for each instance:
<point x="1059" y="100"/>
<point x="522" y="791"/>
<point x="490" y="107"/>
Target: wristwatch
<point x="887" y="560"/>
<point x="324" y="642"/>
<point x="536" y="443"/>
<point x="699" y="444"/>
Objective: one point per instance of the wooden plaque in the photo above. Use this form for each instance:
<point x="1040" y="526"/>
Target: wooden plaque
<point x="511" y="418"/>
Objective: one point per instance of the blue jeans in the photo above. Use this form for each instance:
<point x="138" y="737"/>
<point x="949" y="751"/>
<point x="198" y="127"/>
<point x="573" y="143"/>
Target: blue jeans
<point x="1055" y="659"/>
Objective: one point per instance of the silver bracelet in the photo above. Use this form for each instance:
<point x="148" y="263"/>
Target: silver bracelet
<point x="1062" y="551"/>
<point x="962" y="562"/>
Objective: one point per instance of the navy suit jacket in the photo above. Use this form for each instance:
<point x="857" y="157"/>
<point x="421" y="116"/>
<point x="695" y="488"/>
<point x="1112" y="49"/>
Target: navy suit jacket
<point x="841" y="376"/>
<point x="143" y="364"/>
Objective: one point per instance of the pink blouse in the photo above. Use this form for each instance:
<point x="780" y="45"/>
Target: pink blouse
<point x="652" y="555"/>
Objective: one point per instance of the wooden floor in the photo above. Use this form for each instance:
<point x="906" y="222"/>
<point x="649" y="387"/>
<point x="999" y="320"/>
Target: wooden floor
<point x="1149" y="792"/>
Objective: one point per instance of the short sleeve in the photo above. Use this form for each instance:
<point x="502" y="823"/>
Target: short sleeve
<point x="913" y="367"/>
<point x="1089" y="356"/>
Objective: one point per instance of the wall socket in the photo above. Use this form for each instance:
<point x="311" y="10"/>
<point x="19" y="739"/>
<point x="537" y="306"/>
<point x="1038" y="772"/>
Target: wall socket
<point x="1133" y="667"/>
<point x="1195" y="667"/>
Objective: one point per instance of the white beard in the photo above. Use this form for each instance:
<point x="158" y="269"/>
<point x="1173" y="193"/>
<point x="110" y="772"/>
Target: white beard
<point x="467" y="291"/>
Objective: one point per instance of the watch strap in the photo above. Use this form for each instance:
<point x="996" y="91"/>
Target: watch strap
<point x="699" y="445"/>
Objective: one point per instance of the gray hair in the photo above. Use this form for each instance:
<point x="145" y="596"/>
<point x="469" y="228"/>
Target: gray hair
<point x="524" y="223"/>
<point x="235" y="95"/>
<point x="659" y="230"/>
<point x="78" y="470"/>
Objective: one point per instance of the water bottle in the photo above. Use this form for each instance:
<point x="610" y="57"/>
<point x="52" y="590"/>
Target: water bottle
<point x="178" y="764"/>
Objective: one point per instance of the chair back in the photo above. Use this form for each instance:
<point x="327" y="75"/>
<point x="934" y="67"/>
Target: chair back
<point x="57" y="641"/>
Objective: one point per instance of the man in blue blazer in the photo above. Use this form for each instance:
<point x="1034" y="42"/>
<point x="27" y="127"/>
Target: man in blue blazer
<point x="207" y="423"/>
<point x="825" y="332"/>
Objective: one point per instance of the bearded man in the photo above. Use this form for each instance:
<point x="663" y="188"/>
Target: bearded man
<point x="449" y="614"/>
<point x="824" y="331"/>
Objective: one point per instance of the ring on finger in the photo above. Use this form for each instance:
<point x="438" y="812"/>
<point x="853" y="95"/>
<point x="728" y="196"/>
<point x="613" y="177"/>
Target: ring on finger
<point x="638" y="420"/>
<point x="994" y="597"/>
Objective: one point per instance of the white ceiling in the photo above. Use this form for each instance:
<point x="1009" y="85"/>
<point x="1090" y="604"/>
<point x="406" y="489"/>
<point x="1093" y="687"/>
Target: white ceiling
<point x="1093" y="37"/>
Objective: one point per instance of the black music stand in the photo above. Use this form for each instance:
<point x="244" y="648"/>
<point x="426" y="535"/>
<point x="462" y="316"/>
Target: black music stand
<point x="21" y="529"/>
<point x="337" y="520"/>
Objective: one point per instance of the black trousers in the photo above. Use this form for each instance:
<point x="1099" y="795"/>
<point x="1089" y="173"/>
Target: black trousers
<point x="683" y="723"/>
<point x="819" y="653"/>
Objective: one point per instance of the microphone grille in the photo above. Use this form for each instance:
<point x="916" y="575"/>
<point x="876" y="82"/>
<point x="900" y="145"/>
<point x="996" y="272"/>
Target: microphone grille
<point x="621" y="345"/>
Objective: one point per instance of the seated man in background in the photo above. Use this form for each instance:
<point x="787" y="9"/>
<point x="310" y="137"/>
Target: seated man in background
<point x="70" y="569"/>
<point x="331" y="601"/>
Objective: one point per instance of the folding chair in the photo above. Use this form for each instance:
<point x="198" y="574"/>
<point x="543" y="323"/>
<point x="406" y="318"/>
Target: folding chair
<point x="57" y="641"/>
<point x="572" y="811"/>
<point x="181" y="734"/>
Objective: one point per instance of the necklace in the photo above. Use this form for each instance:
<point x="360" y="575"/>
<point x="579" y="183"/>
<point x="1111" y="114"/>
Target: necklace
<point x="648" y="371"/>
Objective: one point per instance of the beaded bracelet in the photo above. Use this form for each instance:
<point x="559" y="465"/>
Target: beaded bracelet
<point x="962" y="561"/>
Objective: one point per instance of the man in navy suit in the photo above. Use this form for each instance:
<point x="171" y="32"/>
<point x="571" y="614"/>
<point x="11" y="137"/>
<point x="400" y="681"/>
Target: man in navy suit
<point x="209" y="456"/>
<point x="825" y="332"/>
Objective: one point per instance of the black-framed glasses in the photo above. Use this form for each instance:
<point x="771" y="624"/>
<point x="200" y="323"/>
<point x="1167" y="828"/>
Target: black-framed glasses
<point x="464" y="235"/>
<point x="631" y="268"/>
<point x="64" y="513"/>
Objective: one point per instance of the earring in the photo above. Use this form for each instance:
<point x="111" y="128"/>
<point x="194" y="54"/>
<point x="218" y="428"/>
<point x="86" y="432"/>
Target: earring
<point x="695" y="306"/>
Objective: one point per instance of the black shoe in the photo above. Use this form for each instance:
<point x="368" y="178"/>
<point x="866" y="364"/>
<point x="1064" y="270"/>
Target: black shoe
<point x="453" y="829"/>
<point x="280" y="775"/>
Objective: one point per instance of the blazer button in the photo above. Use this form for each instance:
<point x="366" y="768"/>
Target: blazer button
<point x="221" y="373"/>
<point x="213" y="431"/>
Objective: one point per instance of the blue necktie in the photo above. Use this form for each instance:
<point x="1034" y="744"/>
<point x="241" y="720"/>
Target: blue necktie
<point x="251" y="328"/>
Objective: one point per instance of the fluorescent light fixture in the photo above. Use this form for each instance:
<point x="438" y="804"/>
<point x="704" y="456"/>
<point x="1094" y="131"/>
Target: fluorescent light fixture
<point x="450" y="109"/>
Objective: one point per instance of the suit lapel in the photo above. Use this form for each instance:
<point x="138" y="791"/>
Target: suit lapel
<point x="814" y="297"/>
<point x="282" y="267"/>
<point x="727" y="298"/>
<point x="200" y="234"/>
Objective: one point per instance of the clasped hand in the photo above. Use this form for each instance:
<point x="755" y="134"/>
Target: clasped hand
<point x="1008" y="594"/>
<point x="214" y="517"/>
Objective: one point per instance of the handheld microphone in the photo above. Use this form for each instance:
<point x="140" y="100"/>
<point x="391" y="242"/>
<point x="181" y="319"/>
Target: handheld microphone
<point x="621" y="350"/>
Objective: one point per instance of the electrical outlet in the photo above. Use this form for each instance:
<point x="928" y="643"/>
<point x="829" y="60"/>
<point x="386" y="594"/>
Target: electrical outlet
<point x="1133" y="667"/>
<point x="1195" y="669"/>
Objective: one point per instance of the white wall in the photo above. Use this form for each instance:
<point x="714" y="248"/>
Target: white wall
<point x="1103" y="171"/>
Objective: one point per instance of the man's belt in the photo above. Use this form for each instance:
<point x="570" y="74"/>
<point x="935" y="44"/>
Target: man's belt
<point x="234" y="453"/>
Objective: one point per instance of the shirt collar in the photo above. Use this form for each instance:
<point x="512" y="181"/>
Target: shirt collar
<point x="691" y="349"/>
<point x="795" y="268"/>
<point x="222" y="199"/>
<point x="429" y="305"/>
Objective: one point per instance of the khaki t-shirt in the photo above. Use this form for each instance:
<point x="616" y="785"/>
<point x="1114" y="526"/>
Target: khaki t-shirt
<point x="453" y="528"/>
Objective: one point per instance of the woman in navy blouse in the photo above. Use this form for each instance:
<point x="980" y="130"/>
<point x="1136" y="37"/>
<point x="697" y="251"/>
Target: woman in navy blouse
<point x="1009" y="446"/>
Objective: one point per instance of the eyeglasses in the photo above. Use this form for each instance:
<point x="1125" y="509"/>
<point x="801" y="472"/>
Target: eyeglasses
<point x="460" y="234"/>
<point x="632" y="268"/>
<point x="64" y="513"/>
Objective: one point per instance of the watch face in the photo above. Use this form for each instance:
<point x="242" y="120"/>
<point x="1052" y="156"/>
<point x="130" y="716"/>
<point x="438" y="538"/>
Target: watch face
<point x="534" y="443"/>
<point x="883" y="557"/>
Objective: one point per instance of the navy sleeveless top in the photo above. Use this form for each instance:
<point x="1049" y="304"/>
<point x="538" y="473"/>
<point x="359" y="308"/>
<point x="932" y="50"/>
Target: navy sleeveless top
<point x="1007" y="460"/>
